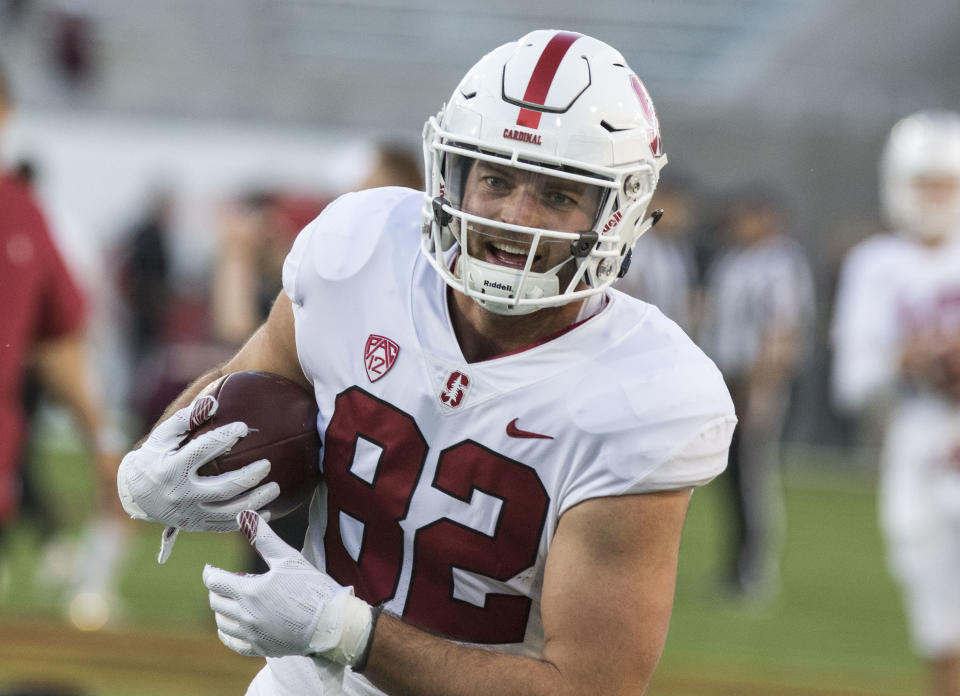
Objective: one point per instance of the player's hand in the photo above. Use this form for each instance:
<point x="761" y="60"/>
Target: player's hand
<point x="159" y="480"/>
<point x="292" y="609"/>
<point x="950" y="366"/>
<point x="932" y="359"/>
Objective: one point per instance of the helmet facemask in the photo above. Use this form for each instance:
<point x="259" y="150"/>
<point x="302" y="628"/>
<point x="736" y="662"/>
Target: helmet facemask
<point x="529" y="234"/>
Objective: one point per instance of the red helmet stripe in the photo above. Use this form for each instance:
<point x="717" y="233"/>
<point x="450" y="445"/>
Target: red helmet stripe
<point x="543" y="74"/>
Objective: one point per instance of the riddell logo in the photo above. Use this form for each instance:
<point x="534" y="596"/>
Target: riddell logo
<point x="494" y="285"/>
<point x="455" y="389"/>
<point x="522" y="136"/>
<point x="615" y="219"/>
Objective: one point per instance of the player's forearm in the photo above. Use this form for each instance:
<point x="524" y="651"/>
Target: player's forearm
<point x="405" y="661"/>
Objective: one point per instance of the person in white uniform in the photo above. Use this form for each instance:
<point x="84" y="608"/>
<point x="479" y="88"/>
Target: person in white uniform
<point x="509" y="444"/>
<point x="896" y="340"/>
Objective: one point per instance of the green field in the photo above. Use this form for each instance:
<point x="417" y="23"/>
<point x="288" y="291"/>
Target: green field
<point x="836" y="628"/>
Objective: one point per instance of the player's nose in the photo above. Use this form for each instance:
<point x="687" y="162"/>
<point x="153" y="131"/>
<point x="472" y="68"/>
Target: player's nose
<point x="519" y="208"/>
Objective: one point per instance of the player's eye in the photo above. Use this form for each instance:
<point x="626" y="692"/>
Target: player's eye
<point x="495" y="183"/>
<point x="559" y="199"/>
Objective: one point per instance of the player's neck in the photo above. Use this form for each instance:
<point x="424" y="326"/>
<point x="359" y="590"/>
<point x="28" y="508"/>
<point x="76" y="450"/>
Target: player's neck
<point x="483" y="335"/>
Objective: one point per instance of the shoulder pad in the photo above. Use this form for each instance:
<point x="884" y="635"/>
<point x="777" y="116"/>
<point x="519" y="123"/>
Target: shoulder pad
<point x="657" y="378"/>
<point x="346" y="234"/>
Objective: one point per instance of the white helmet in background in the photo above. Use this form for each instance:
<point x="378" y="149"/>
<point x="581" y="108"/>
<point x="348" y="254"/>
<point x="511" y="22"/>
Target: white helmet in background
<point x="920" y="175"/>
<point x="562" y="115"/>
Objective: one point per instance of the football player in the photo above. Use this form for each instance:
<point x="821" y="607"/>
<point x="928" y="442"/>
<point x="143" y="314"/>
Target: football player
<point x="509" y="444"/>
<point x="895" y="338"/>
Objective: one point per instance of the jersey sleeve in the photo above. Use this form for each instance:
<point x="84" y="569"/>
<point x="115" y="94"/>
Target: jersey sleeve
<point x="663" y="429"/>
<point x="697" y="462"/>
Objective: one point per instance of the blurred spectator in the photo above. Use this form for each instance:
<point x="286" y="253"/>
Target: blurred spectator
<point x="255" y="235"/>
<point x="72" y="46"/>
<point x="896" y="339"/>
<point x="44" y="327"/>
<point x="759" y="304"/>
<point x="662" y="269"/>
<point x="35" y="506"/>
<point x="394" y="165"/>
<point x="145" y="271"/>
<point x="166" y="326"/>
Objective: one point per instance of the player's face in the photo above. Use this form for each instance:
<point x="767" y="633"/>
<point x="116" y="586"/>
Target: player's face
<point x="936" y="190"/>
<point x="936" y="206"/>
<point x="531" y="199"/>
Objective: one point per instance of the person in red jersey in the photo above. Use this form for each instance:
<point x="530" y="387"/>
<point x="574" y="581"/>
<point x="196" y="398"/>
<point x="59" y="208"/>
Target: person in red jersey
<point x="43" y="326"/>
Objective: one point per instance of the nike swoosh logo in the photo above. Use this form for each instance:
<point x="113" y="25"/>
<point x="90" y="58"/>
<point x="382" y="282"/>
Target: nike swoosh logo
<point x="514" y="431"/>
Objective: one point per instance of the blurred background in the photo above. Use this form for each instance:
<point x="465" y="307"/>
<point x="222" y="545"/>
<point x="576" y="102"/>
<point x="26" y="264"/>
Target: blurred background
<point x="171" y="142"/>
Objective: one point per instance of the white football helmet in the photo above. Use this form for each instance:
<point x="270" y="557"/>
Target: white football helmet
<point x="923" y="147"/>
<point x="540" y="167"/>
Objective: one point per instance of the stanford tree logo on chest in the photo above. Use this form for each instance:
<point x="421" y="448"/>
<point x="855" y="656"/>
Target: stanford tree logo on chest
<point x="454" y="389"/>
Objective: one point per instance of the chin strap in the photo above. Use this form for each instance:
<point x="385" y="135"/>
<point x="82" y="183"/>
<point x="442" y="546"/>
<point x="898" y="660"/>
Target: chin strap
<point x="483" y="278"/>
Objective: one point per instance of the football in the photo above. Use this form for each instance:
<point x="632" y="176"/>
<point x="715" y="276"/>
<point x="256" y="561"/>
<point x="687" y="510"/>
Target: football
<point x="282" y="420"/>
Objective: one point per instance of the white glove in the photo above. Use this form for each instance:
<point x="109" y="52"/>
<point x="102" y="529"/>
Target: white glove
<point x="292" y="609"/>
<point x="159" y="480"/>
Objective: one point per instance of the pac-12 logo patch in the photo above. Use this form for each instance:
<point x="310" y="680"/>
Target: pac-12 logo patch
<point x="454" y="389"/>
<point x="378" y="356"/>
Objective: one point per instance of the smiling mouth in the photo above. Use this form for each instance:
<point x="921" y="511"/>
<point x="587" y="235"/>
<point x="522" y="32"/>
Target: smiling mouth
<point x="508" y="254"/>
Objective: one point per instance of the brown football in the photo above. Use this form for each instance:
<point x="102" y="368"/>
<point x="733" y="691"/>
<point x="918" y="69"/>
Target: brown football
<point x="282" y="420"/>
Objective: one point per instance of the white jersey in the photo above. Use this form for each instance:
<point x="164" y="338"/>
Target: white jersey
<point x="891" y="287"/>
<point x="749" y="290"/>
<point x="444" y="481"/>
